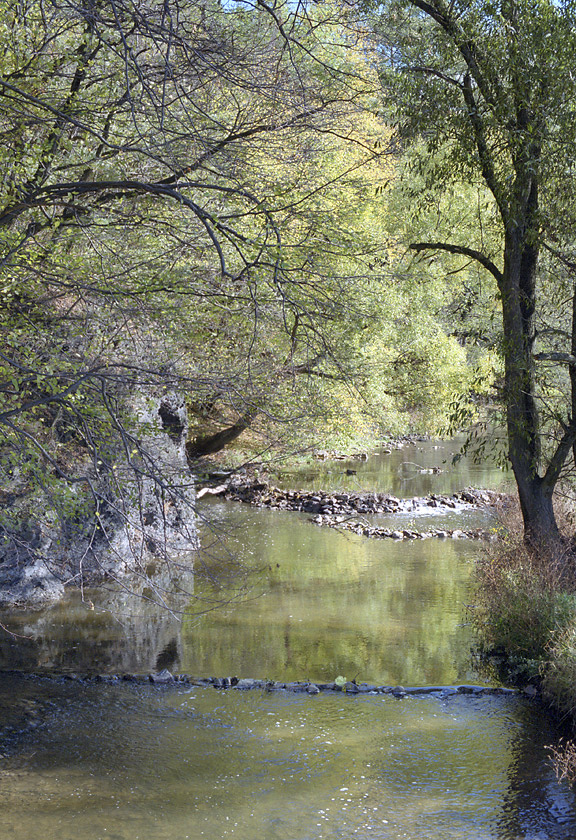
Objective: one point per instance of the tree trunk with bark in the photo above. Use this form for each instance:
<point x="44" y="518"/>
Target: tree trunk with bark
<point x="504" y="109"/>
<point x="518" y="291"/>
<point x="210" y="444"/>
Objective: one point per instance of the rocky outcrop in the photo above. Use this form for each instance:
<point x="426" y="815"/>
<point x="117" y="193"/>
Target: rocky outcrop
<point x="119" y="520"/>
<point x="157" y="518"/>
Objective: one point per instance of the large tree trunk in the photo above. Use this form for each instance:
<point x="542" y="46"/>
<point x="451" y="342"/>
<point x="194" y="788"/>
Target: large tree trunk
<point x="518" y="290"/>
<point x="540" y="526"/>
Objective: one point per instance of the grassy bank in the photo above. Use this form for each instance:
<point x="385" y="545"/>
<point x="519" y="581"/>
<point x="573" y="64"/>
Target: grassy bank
<point x="525" y="618"/>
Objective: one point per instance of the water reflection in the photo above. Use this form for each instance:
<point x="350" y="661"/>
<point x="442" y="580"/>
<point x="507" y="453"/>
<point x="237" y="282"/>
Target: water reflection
<point x="104" y="632"/>
<point x="533" y="797"/>
<point x="321" y="603"/>
<point x="332" y="603"/>
<point x="404" y="472"/>
<point x="131" y="762"/>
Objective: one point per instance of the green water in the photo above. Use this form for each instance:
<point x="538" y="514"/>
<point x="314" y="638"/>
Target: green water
<point x="401" y="472"/>
<point x="329" y="604"/>
<point x="136" y="762"/>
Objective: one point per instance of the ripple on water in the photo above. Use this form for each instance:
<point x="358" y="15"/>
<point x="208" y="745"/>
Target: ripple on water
<point x="138" y="763"/>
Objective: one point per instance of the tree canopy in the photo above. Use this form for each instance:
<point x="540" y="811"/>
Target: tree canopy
<point x="487" y="90"/>
<point x="195" y="200"/>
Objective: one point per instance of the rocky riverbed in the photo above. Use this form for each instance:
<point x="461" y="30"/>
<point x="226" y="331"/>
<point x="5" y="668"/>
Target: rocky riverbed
<point x="166" y="678"/>
<point x="365" y="529"/>
<point x="337" y="510"/>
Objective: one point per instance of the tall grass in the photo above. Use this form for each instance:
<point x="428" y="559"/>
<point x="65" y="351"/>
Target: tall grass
<point x="526" y="613"/>
<point x="525" y="602"/>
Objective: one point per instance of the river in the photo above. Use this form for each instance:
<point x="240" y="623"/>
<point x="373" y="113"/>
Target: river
<point x="129" y="761"/>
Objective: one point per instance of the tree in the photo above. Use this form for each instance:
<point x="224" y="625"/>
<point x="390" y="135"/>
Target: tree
<point x="183" y="211"/>
<point x="145" y="242"/>
<point x="487" y="88"/>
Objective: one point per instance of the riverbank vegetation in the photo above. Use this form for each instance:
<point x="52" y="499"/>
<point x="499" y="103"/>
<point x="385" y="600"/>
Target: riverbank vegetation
<point x="294" y="224"/>
<point x="524" y="615"/>
<point x="526" y="601"/>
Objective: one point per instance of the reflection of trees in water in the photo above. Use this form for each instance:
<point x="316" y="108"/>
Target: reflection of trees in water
<point x="338" y="604"/>
<point x="110" y="631"/>
<point x="169" y="655"/>
<point x="535" y="806"/>
<point x="387" y="473"/>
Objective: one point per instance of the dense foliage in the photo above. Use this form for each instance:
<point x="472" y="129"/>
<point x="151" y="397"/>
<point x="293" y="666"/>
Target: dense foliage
<point x="206" y="199"/>
<point x="490" y="102"/>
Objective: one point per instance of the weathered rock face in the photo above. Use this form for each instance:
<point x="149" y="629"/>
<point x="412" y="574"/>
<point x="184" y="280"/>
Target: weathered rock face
<point x="157" y="512"/>
<point x="137" y="519"/>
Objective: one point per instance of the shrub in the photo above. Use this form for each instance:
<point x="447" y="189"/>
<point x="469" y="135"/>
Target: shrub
<point x="559" y="677"/>
<point x="526" y="598"/>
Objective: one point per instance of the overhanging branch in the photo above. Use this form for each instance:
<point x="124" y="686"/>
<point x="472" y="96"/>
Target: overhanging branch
<point x="563" y="358"/>
<point x="478" y="256"/>
<point x="560" y="455"/>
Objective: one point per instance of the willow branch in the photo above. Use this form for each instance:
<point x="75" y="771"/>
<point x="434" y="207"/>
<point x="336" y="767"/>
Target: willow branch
<point x="478" y="256"/>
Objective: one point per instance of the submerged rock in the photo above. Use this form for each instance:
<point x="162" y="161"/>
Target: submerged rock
<point x="398" y="691"/>
<point x="162" y="678"/>
<point x="349" y="688"/>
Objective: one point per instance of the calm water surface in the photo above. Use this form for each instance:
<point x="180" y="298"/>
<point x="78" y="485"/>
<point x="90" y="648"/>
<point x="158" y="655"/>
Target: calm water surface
<point x="132" y="762"/>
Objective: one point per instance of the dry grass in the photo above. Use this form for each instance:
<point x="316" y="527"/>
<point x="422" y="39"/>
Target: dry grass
<point x="525" y="597"/>
<point x="559" y="676"/>
<point x="526" y="613"/>
<point x="563" y="755"/>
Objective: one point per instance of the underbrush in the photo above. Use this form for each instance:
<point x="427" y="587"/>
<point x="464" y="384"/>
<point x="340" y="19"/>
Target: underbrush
<point x="525" y="618"/>
<point x="526" y="611"/>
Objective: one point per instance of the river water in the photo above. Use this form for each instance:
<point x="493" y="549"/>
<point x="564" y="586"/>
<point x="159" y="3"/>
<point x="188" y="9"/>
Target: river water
<point x="136" y="762"/>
